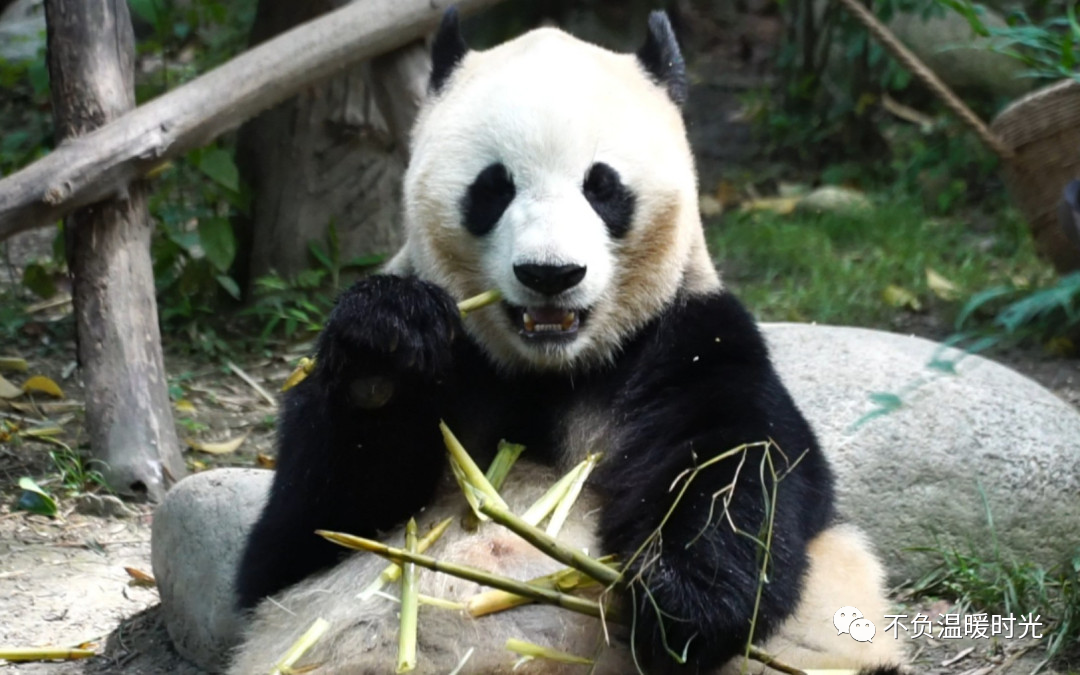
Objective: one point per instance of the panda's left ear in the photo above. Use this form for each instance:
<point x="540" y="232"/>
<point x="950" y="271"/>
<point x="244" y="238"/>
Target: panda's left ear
<point x="661" y="58"/>
<point x="447" y="50"/>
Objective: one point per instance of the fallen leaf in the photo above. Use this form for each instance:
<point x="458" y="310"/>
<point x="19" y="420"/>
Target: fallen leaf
<point x="898" y="296"/>
<point x="44" y="385"/>
<point x="221" y="448"/>
<point x="34" y="499"/>
<point x="13" y="363"/>
<point x="184" y="405"/>
<point x="265" y="461"/>
<point x="779" y="205"/>
<point x="8" y="390"/>
<point x="942" y="287"/>
<point x="43" y="432"/>
<point x="140" y="578"/>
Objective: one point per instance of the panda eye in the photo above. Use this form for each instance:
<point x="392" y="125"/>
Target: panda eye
<point x="487" y="198"/>
<point x="610" y="198"/>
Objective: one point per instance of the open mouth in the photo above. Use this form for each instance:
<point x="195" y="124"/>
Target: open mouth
<point x="547" y="323"/>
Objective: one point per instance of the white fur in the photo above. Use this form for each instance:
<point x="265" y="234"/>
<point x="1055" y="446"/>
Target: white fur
<point x="548" y="107"/>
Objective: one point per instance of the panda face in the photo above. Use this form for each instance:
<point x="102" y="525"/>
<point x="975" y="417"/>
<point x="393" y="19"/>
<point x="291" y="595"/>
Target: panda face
<point x="558" y="173"/>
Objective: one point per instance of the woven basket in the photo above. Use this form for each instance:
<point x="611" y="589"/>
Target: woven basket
<point x="1043" y="129"/>
<point x="1037" y="139"/>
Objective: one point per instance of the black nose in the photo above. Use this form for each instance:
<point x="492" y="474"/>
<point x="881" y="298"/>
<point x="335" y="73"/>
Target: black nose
<point x="550" y="279"/>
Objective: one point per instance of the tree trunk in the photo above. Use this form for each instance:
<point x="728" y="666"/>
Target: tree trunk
<point x="334" y="154"/>
<point x="128" y="418"/>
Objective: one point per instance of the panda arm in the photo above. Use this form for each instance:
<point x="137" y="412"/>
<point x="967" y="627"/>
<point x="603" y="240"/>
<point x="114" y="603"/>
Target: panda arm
<point x="696" y="386"/>
<point x="358" y="442"/>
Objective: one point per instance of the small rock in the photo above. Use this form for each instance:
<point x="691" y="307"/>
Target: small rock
<point x="922" y="469"/>
<point x="834" y="199"/>
<point x="103" y="506"/>
<point x="198" y="536"/>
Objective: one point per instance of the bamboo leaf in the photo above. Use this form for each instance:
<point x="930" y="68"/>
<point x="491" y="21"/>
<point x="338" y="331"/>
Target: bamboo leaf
<point x="8" y="390"/>
<point x="43" y="385"/>
<point x="34" y="499"/>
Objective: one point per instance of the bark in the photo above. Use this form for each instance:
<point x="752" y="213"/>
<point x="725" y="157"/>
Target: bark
<point x="128" y="417"/>
<point x="333" y="154"/>
<point x="101" y="164"/>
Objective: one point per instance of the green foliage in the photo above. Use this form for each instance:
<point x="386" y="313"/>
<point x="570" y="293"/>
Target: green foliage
<point x="34" y="499"/>
<point x="1048" y="315"/>
<point x="832" y="75"/>
<point x="76" y="471"/>
<point x="299" y="306"/>
<point x="835" y="267"/>
<point x="988" y="580"/>
<point x="1050" y="49"/>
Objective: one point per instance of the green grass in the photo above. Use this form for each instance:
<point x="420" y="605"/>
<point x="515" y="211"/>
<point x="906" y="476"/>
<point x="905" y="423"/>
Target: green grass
<point x="987" y="580"/>
<point x="834" y="268"/>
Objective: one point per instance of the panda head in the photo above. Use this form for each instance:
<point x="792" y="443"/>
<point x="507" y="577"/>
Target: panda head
<point x="559" y="173"/>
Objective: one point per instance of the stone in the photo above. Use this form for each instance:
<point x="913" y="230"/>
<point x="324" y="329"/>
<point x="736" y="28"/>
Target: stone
<point x="834" y="199"/>
<point x="918" y="474"/>
<point x="197" y="538"/>
<point x="945" y="42"/>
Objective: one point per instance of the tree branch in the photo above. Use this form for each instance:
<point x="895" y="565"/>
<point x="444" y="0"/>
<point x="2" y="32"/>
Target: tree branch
<point x="100" y="165"/>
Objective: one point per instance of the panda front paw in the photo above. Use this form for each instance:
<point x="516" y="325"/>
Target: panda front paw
<point x="384" y="328"/>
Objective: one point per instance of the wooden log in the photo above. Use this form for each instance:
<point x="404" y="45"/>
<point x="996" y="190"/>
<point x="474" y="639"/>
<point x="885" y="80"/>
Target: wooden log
<point x="91" y="51"/>
<point x="101" y="164"/>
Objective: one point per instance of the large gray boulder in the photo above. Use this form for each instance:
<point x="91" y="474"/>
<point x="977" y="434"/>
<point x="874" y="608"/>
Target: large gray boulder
<point x="195" y="546"/>
<point x="922" y="470"/>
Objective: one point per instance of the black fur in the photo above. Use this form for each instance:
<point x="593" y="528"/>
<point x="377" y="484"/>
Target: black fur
<point x="694" y="383"/>
<point x="610" y="198"/>
<point x="661" y="58"/>
<point x="487" y="199"/>
<point x="447" y="51"/>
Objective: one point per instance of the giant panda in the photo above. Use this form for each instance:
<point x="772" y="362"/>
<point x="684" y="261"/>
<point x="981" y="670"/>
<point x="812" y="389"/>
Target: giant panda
<point x="558" y="173"/>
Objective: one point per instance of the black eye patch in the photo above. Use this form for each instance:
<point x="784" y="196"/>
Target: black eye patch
<point x="610" y="198"/>
<point x="487" y="198"/>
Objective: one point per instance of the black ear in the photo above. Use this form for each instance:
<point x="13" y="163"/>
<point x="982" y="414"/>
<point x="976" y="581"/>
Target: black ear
<point x="660" y="56"/>
<point x="447" y="50"/>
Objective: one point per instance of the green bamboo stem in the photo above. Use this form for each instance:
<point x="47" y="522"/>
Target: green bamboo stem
<point x="570" y="602"/>
<point x="549" y="545"/>
<point x="409" y="605"/>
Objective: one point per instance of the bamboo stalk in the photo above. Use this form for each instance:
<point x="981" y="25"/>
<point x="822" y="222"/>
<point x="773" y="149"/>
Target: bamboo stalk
<point x="505" y="458"/>
<point x="490" y="602"/>
<point x="300" y="647"/>
<point x="479" y="301"/>
<point x="762" y="656"/>
<point x="562" y="510"/>
<point x="44" y="653"/>
<point x="392" y="572"/>
<point x="409" y="605"/>
<point x="535" y="651"/>
<point x="471" y="472"/>
<point x="550" y="499"/>
<point x="570" y="602"/>
<point x="551" y="546"/>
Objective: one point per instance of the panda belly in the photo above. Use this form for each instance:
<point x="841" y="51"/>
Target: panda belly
<point x="363" y="634"/>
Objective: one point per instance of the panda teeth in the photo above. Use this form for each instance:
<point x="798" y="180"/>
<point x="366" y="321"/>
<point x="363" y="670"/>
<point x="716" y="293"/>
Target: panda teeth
<point x="532" y="327"/>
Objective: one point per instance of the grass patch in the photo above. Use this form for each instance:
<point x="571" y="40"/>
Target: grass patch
<point x="834" y="268"/>
<point x="987" y="581"/>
